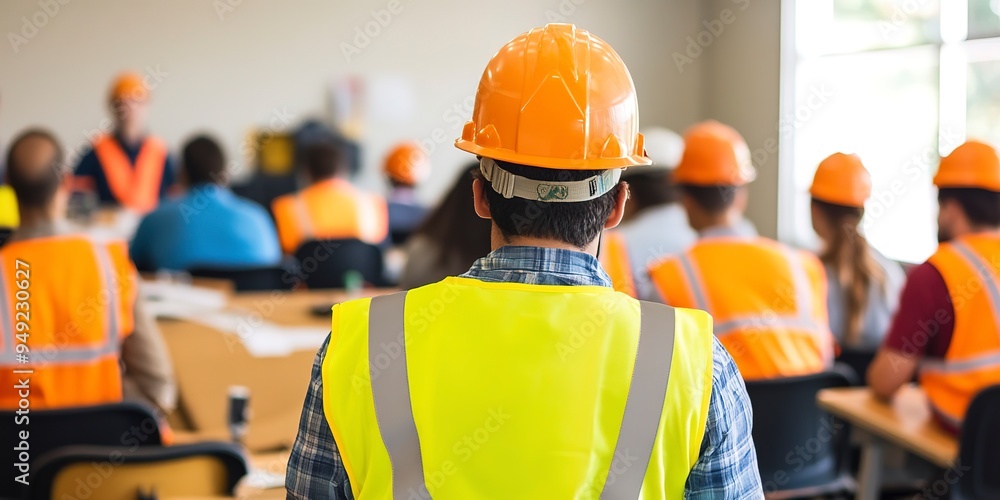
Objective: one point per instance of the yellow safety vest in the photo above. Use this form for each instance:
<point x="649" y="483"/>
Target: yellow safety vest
<point x="469" y="389"/>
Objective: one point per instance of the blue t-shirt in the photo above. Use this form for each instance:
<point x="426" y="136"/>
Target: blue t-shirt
<point x="208" y="227"/>
<point x="90" y="166"/>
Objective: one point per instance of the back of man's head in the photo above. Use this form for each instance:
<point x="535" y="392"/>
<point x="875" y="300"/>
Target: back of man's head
<point x="575" y="223"/>
<point x="649" y="188"/>
<point x="980" y="206"/>
<point x="322" y="161"/>
<point x="204" y="162"/>
<point x="713" y="200"/>
<point x="35" y="168"/>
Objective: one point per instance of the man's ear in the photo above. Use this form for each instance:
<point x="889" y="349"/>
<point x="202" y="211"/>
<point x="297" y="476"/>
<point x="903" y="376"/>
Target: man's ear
<point x="619" y="209"/>
<point x="481" y="204"/>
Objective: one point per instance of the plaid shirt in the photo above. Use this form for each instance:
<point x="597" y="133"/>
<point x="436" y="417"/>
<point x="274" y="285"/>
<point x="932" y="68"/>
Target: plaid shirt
<point x="726" y="468"/>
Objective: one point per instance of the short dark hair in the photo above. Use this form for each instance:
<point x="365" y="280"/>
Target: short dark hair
<point x="204" y="161"/>
<point x="649" y="188"/>
<point x="981" y="206"/>
<point x="712" y="199"/>
<point x="576" y="223"/>
<point x="322" y="160"/>
<point x="34" y="185"/>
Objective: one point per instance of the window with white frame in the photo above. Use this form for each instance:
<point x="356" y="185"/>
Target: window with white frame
<point x="899" y="82"/>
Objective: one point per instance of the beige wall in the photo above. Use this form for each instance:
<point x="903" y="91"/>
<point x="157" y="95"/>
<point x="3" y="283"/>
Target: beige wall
<point x="741" y="88"/>
<point x="267" y="62"/>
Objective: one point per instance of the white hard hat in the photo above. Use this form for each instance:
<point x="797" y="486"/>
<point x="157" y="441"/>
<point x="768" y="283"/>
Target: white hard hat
<point x="664" y="146"/>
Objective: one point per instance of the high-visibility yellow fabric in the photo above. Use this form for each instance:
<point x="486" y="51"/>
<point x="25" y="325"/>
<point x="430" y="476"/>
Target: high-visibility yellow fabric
<point x="9" y="215"/>
<point x="511" y="380"/>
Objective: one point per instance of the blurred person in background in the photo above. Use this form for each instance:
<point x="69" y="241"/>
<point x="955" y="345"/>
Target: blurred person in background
<point x="946" y="330"/>
<point x="655" y="224"/>
<point x="66" y="275"/>
<point x="768" y="300"/>
<point x="331" y="207"/>
<point x="450" y="239"/>
<point x="406" y="166"/>
<point x="863" y="285"/>
<point x="208" y="227"/>
<point x="128" y="167"/>
<point x="9" y="218"/>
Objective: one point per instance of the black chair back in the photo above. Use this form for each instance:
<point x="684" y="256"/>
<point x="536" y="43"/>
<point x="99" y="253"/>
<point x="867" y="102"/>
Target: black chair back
<point x="325" y="263"/>
<point x="250" y="279"/>
<point x="200" y="470"/>
<point x="801" y="449"/>
<point x="858" y="361"/>
<point x="5" y="233"/>
<point x="978" y="468"/>
<point x="128" y="425"/>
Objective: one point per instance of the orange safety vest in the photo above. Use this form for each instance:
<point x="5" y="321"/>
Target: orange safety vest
<point x="332" y="209"/>
<point x="615" y="261"/>
<point x="970" y="268"/>
<point x="768" y="302"/>
<point x="74" y="298"/>
<point x="136" y="187"/>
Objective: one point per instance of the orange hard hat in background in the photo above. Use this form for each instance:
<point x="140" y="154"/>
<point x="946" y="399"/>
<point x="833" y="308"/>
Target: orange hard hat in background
<point x="129" y="87"/>
<point x="407" y="164"/>
<point x="556" y="97"/>
<point x="974" y="164"/>
<point x="715" y="154"/>
<point x="842" y="179"/>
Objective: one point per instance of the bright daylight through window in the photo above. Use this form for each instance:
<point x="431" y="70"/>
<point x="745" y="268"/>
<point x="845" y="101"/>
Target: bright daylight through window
<point x="902" y="82"/>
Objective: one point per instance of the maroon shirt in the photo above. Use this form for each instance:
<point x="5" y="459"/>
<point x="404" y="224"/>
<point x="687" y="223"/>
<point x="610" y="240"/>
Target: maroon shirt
<point x="925" y="320"/>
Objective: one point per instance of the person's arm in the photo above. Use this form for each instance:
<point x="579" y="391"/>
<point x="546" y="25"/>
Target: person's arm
<point x="727" y="466"/>
<point x="149" y="375"/>
<point x="924" y="321"/>
<point x="315" y="469"/>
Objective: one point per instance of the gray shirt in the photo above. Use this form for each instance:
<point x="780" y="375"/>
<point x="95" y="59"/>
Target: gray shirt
<point x="882" y="303"/>
<point x="654" y="233"/>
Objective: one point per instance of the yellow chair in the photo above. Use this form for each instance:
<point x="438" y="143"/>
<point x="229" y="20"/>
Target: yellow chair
<point x="118" y="473"/>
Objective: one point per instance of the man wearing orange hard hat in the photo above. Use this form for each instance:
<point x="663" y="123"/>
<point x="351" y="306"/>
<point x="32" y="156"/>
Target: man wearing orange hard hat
<point x="863" y="284"/>
<point x="529" y="376"/>
<point x="406" y="166"/>
<point x="128" y="167"/>
<point x="330" y="208"/>
<point x="768" y="300"/>
<point x="946" y="329"/>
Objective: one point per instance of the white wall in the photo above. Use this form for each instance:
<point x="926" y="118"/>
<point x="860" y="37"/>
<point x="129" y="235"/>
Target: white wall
<point x="262" y="58"/>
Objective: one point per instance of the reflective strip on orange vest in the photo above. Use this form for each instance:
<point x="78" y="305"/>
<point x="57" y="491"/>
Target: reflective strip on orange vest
<point x="640" y="421"/>
<point x="989" y="281"/>
<point x="67" y="355"/>
<point x="306" y="231"/>
<point x="801" y="321"/>
<point x="134" y="186"/>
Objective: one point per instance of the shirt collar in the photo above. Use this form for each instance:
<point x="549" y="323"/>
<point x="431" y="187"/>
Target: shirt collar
<point x="540" y="266"/>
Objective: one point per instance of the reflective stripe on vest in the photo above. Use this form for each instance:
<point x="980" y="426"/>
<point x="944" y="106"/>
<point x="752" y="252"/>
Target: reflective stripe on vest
<point x="134" y="186"/>
<point x="67" y="355"/>
<point x="306" y="231"/>
<point x="989" y="282"/>
<point x="640" y="421"/>
<point x="802" y="320"/>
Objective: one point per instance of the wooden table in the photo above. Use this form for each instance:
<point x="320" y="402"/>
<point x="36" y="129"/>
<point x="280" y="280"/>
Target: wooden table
<point x="906" y="423"/>
<point x="207" y="362"/>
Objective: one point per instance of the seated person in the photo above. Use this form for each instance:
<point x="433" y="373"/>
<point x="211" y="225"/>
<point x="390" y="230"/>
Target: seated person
<point x="406" y="166"/>
<point x="330" y="208"/>
<point x="84" y="350"/>
<point x="946" y="328"/>
<point x="208" y="227"/>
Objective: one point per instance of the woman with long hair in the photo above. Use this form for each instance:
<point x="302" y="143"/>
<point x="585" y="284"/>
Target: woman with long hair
<point x="864" y="285"/>
<point x="451" y="238"/>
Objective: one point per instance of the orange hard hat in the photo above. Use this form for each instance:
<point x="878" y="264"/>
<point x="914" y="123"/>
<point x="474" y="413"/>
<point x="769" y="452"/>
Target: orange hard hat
<point x="407" y="163"/>
<point x="556" y="97"/>
<point x="842" y="179"/>
<point x="130" y="87"/>
<point x="971" y="165"/>
<point x="714" y="155"/>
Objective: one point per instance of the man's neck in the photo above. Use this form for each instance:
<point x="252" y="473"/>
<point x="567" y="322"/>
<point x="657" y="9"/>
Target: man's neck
<point x="726" y="219"/>
<point x="37" y="223"/>
<point x="519" y="241"/>
<point x="129" y="135"/>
